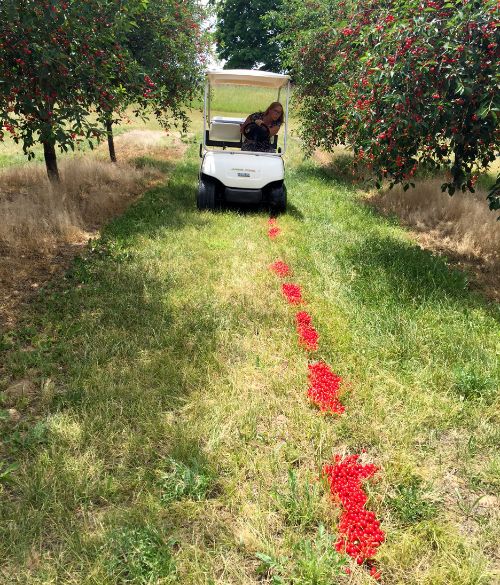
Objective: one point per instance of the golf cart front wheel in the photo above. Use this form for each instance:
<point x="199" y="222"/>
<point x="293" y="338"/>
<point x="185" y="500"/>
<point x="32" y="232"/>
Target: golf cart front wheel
<point x="277" y="199"/>
<point x="206" y="195"/>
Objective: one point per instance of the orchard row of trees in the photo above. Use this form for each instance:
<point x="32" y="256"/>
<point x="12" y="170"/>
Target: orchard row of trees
<point x="404" y="83"/>
<point x="71" y="68"/>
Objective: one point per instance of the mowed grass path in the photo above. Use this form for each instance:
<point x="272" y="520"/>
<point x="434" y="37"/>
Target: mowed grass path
<point x="170" y="439"/>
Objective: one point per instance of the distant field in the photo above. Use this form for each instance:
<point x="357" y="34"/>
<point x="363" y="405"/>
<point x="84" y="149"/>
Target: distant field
<point x="241" y="99"/>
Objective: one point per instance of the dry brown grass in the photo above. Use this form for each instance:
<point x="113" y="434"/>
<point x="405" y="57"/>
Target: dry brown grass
<point x="462" y="222"/>
<point x="37" y="215"/>
<point x="460" y="227"/>
<point x="43" y="225"/>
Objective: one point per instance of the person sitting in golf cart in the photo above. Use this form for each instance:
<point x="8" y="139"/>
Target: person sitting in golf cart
<point x="258" y="128"/>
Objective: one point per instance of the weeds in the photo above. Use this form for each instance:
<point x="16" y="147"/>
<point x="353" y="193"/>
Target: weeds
<point x="299" y="503"/>
<point x="139" y="556"/>
<point x="471" y="384"/>
<point x="409" y="503"/>
<point x="318" y="563"/>
<point x="6" y="470"/>
<point x="273" y="569"/>
<point x="314" y="562"/>
<point x="28" y="439"/>
<point x="181" y="481"/>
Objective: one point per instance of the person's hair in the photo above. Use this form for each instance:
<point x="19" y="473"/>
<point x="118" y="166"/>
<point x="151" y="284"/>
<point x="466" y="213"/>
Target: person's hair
<point x="272" y="106"/>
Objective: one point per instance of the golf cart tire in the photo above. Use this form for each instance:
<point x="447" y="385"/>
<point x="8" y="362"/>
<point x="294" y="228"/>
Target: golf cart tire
<point x="206" y="195"/>
<point x="277" y="199"/>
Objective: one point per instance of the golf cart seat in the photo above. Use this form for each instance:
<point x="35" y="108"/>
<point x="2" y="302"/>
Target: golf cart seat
<point x="225" y="132"/>
<point x="225" y="129"/>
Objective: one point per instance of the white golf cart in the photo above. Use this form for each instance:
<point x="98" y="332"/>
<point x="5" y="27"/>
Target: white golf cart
<point x="228" y="174"/>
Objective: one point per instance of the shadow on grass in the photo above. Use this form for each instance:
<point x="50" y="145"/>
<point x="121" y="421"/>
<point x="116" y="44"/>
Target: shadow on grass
<point x="165" y="166"/>
<point x="401" y="270"/>
<point x="126" y="346"/>
<point x="343" y="170"/>
<point x="123" y="357"/>
<point x="164" y="207"/>
<point x="398" y="268"/>
<point x="293" y="211"/>
<point x="340" y="170"/>
<point x="172" y="206"/>
<point x="260" y="209"/>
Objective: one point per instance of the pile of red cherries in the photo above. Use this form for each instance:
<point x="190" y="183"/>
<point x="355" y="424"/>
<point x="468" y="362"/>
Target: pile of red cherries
<point x="324" y="388"/>
<point x="359" y="530"/>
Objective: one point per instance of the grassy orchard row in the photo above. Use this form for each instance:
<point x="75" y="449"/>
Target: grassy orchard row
<point x="62" y="60"/>
<point x="404" y="83"/>
<point x="209" y="457"/>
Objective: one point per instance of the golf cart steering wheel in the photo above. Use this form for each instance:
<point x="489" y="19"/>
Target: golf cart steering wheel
<point x="256" y="132"/>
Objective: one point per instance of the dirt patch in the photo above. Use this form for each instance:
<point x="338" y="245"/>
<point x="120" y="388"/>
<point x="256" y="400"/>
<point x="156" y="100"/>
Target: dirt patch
<point x="21" y="276"/>
<point x="44" y="228"/>
<point x="20" y="391"/>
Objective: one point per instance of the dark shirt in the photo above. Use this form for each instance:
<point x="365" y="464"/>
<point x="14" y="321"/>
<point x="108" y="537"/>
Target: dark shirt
<point x="261" y="145"/>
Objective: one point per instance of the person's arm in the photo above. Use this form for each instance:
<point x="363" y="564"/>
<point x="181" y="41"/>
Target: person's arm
<point x="245" y="124"/>
<point x="274" y="130"/>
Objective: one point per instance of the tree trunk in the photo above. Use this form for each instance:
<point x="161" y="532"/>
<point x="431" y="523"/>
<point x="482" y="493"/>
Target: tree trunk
<point x="111" y="142"/>
<point x="457" y="169"/>
<point x="49" y="153"/>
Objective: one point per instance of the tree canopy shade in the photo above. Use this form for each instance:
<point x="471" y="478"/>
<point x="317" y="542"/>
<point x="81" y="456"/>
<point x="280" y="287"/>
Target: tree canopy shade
<point x="403" y="82"/>
<point x="244" y="39"/>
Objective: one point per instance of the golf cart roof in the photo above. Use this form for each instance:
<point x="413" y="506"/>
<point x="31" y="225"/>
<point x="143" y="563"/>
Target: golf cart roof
<point x="251" y="77"/>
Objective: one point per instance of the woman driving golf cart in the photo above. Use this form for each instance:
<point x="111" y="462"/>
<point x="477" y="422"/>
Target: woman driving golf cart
<point x="237" y="166"/>
<point x="258" y="128"/>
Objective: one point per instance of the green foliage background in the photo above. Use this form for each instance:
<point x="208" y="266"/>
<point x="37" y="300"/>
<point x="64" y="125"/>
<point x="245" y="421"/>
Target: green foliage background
<point x="244" y="39"/>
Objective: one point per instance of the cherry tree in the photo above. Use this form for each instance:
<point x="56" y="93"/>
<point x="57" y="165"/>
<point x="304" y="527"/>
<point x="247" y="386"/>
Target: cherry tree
<point x="166" y="50"/>
<point x="63" y="60"/>
<point x="51" y="52"/>
<point x="403" y="82"/>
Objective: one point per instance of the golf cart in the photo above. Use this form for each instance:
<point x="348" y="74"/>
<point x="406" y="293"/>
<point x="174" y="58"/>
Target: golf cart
<point x="228" y="174"/>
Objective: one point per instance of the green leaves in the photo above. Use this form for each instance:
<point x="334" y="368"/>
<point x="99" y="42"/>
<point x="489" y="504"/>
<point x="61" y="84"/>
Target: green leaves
<point x="494" y="196"/>
<point x="393" y="81"/>
<point x="180" y="480"/>
<point x="410" y="503"/>
<point x="313" y="562"/>
<point x="140" y="555"/>
<point x="6" y="469"/>
<point x="64" y="60"/>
